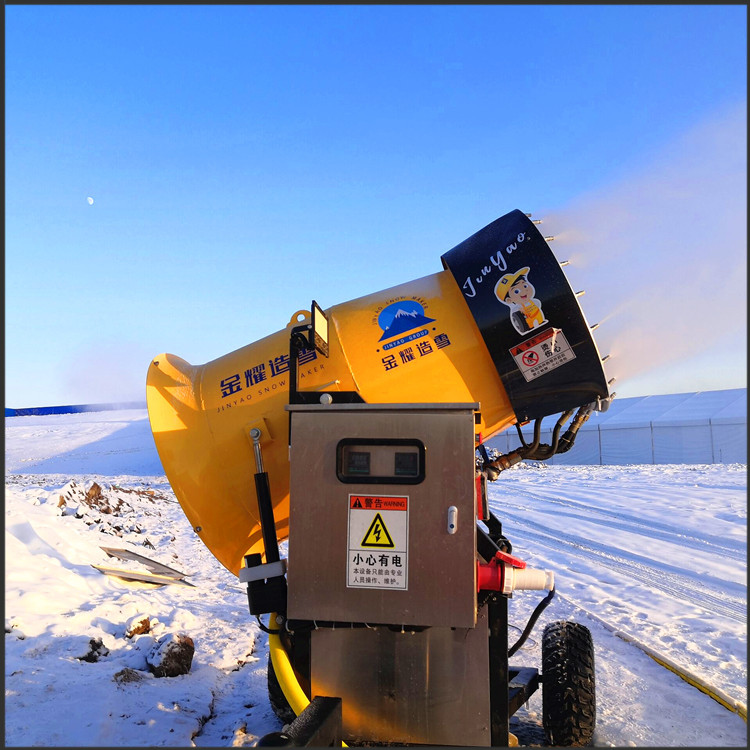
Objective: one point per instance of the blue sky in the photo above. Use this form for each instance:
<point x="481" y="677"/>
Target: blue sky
<point x="244" y="160"/>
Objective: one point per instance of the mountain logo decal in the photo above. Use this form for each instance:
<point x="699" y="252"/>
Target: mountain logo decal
<point x="400" y="317"/>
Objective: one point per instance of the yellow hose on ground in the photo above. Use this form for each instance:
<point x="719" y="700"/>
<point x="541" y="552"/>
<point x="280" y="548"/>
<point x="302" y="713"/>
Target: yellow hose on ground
<point x="293" y="693"/>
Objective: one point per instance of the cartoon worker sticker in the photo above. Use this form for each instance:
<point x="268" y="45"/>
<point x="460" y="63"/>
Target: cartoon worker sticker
<point x="514" y="290"/>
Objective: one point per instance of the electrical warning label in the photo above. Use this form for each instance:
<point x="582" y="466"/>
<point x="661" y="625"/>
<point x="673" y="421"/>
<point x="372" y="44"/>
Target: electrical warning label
<point x="378" y="542"/>
<point x="377" y="535"/>
<point x="542" y="353"/>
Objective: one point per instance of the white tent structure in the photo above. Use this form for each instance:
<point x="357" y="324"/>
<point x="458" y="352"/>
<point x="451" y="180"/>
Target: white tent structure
<point x="705" y="427"/>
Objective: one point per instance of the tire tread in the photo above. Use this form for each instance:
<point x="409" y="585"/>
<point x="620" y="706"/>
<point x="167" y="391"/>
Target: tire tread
<point x="569" y="686"/>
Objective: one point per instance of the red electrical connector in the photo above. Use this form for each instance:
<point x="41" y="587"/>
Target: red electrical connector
<point x="506" y="573"/>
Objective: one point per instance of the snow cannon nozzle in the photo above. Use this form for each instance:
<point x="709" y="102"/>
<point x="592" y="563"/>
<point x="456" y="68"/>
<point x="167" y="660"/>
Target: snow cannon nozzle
<point x="499" y="326"/>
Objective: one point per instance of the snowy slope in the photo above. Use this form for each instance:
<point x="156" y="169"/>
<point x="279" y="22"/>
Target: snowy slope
<point x="656" y="553"/>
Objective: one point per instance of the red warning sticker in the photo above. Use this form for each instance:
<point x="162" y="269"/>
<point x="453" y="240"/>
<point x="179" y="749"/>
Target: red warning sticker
<point x="378" y="502"/>
<point x="542" y="353"/>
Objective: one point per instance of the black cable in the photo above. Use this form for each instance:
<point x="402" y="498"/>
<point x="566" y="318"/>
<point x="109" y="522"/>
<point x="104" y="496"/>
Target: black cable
<point x="520" y="436"/>
<point x="567" y="440"/>
<point x="545" y="452"/>
<point x="534" y="451"/>
<point x="537" y="434"/>
<point x="264" y="628"/>
<point x="530" y="624"/>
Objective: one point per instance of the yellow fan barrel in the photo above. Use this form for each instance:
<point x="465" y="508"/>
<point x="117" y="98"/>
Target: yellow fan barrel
<point x="455" y="336"/>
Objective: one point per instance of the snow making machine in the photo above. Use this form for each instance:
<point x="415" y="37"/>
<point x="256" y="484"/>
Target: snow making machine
<point x="359" y="434"/>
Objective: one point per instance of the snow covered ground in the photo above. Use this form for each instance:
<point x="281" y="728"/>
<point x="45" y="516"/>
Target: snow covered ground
<point x="656" y="553"/>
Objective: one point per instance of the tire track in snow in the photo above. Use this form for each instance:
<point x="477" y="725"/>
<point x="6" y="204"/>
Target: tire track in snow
<point x="625" y="522"/>
<point x="674" y="584"/>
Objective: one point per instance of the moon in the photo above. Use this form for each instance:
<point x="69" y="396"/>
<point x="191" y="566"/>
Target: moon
<point x="90" y="200"/>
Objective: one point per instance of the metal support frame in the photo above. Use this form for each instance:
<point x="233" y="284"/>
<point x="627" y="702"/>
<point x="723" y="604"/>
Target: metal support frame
<point x="499" y="709"/>
<point x="524" y="681"/>
<point x="319" y="725"/>
<point x="510" y="687"/>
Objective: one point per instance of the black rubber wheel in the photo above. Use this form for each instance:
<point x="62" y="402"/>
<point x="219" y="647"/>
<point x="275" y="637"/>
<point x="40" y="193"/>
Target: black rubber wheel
<point x="279" y="703"/>
<point x="568" y="684"/>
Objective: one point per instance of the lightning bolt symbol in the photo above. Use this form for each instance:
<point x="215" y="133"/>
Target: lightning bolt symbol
<point x="376" y="533"/>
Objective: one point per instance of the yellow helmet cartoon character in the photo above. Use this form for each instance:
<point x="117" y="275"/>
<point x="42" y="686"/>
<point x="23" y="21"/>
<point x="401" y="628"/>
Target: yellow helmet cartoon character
<point x="516" y="291"/>
<point x="502" y="288"/>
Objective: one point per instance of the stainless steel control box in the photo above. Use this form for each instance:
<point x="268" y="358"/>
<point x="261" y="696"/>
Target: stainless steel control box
<point x="383" y="514"/>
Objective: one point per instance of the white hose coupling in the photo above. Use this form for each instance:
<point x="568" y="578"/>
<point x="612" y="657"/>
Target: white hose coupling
<point x="529" y="579"/>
